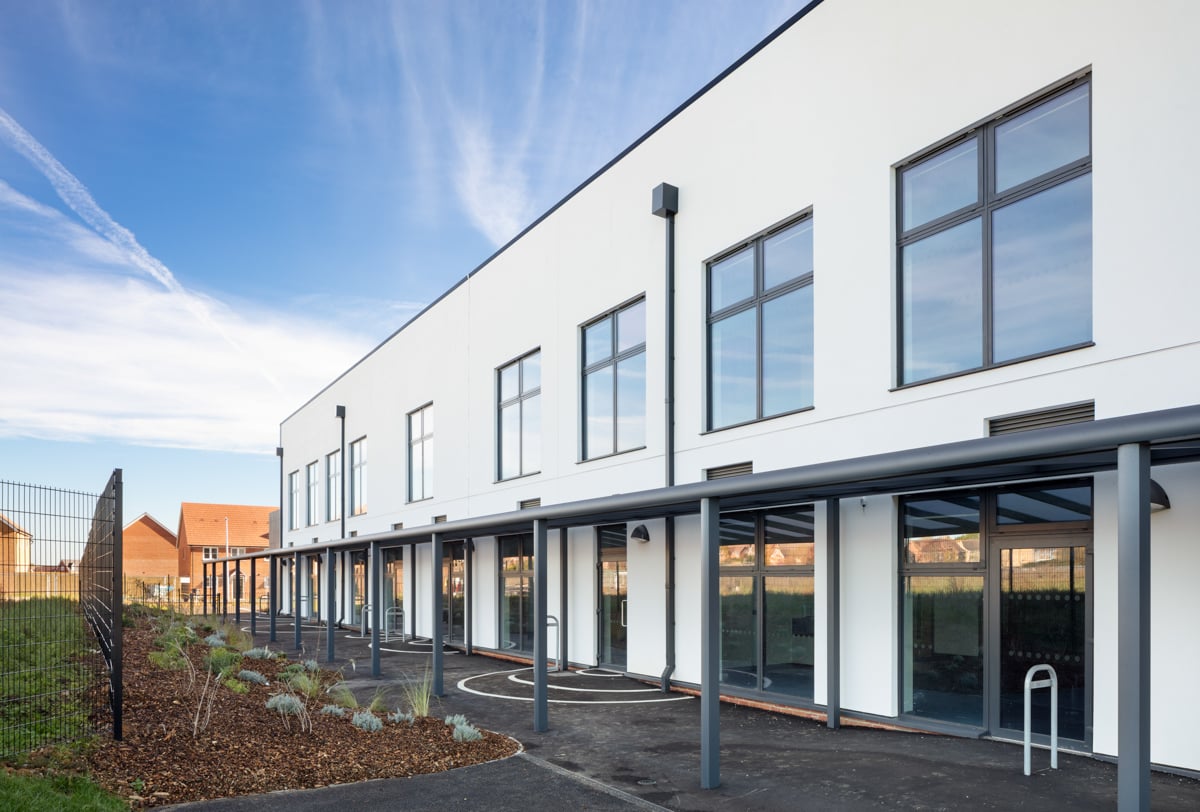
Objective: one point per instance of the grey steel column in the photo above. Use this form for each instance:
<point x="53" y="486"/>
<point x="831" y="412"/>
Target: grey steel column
<point x="296" y="597"/>
<point x="253" y="595"/>
<point x="273" y="595"/>
<point x="833" y="632"/>
<point x="435" y="569"/>
<point x="412" y="598"/>
<point x="330" y="605"/>
<point x="224" y="589"/>
<point x="541" y="721"/>
<point x="563" y="625"/>
<point x="376" y="580"/>
<point x="710" y="643"/>
<point x="469" y="588"/>
<point x="1133" y="627"/>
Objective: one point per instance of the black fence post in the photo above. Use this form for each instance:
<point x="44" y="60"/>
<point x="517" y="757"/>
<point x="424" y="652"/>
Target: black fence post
<point x="118" y="693"/>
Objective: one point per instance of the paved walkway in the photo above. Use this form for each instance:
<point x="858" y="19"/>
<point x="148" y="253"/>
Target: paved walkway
<point x="615" y="743"/>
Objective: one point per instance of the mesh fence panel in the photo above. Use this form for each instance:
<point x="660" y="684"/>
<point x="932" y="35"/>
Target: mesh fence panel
<point x="60" y="631"/>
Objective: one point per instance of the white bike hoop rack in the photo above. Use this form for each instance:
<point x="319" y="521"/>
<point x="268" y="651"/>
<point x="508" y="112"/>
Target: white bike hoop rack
<point x="390" y="618"/>
<point x="1052" y="684"/>
<point x="552" y="623"/>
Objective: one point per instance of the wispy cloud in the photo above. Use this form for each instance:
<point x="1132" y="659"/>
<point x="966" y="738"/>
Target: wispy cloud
<point x="102" y="341"/>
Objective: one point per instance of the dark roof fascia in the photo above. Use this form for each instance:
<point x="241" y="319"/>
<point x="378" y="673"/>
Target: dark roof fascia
<point x="641" y="139"/>
<point x="1174" y="435"/>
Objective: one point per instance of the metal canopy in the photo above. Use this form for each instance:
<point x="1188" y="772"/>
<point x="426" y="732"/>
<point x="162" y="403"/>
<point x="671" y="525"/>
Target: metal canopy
<point x="1082" y="448"/>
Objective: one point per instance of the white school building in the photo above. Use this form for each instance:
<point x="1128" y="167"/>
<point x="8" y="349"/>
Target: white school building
<point x="866" y="380"/>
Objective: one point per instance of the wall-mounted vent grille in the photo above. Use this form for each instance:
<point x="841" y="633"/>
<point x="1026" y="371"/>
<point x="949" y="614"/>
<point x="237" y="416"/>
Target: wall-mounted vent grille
<point x="1043" y="418"/>
<point x="353" y="534"/>
<point x="724" y="471"/>
<point x="398" y="526"/>
<point x="526" y="504"/>
<point x="439" y="519"/>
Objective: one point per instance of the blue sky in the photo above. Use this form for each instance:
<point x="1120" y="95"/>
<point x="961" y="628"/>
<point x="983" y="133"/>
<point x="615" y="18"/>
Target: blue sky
<point x="208" y="210"/>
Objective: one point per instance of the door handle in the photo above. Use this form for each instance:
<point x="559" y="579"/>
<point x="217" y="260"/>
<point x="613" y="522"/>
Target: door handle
<point x="624" y="606"/>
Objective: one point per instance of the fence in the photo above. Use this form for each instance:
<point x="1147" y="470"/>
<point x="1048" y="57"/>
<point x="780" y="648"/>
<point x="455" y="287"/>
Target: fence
<point x="60" y="600"/>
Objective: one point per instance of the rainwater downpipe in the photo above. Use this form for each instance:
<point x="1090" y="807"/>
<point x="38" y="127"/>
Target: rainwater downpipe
<point x="665" y="203"/>
<point x="343" y="479"/>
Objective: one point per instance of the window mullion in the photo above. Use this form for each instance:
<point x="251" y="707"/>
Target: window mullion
<point x="759" y="284"/>
<point x="987" y="179"/>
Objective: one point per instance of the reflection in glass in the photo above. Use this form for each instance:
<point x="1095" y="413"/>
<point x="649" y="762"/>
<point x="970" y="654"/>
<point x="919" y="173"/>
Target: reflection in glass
<point x="739" y="639"/>
<point x="531" y="435"/>
<point x="631" y="402"/>
<point x="787" y="365"/>
<point x="1046" y="504"/>
<point x="943" y="648"/>
<point x="614" y="608"/>
<point x="454" y="581"/>
<point x="737" y="537"/>
<point x="941" y="184"/>
<point x="788" y="537"/>
<point x="1046" y="137"/>
<point x="731" y="280"/>
<point x="942" y="288"/>
<point x="531" y="372"/>
<point x="515" y="631"/>
<point x="788" y="635"/>
<point x="1042" y="271"/>
<point x="510" y="381"/>
<point x="1043" y="616"/>
<point x="732" y="373"/>
<point x="510" y="441"/>
<point x="788" y="255"/>
<point x="942" y="530"/>
<point x="598" y="397"/>
<point x="631" y="326"/>
<point x="597" y="341"/>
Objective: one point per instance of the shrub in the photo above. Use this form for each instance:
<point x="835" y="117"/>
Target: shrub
<point x="467" y="733"/>
<point x="456" y="720"/>
<point x="288" y="706"/>
<point x="378" y="703"/>
<point x="303" y="684"/>
<point x="263" y="653"/>
<point x="214" y="640"/>
<point x="311" y="666"/>
<point x="342" y="695"/>
<point x="168" y="660"/>
<point x="333" y="710"/>
<point x="237" y="687"/>
<point x="252" y="676"/>
<point x="220" y="660"/>
<point x="400" y="716"/>
<point x="418" y="694"/>
<point x="365" y="720"/>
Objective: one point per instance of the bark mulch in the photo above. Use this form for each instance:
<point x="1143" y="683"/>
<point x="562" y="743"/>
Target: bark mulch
<point x="165" y="757"/>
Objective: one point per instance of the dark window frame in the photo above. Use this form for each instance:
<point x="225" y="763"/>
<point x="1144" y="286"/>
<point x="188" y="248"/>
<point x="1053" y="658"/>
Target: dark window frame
<point x="358" y="465"/>
<point x="755" y="301"/>
<point x="519" y="400"/>
<point x="613" y="360"/>
<point x="426" y="492"/>
<point x="987" y="202"/>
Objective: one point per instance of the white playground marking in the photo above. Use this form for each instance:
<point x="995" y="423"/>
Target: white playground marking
<point x="462" y="686"/>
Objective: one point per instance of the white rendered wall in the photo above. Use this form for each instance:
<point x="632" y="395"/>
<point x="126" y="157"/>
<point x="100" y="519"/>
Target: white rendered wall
<point x="646" y="611"/>
<point x="818" y="120"/>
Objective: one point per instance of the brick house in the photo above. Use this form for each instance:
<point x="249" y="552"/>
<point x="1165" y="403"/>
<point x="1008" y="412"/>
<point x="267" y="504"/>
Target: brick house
<point x="150" y="550"/>
<point x="15" y="546"/>
<point x="209" y="532"/>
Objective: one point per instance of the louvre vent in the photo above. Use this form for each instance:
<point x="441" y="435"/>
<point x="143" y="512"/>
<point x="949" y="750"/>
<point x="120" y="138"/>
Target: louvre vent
<point x="439" y="519"/>
<point x="1043" y="418"/>
<point x="526" y="504"/>
<point x="398" y="526"/>
<point x="723" y="471"/>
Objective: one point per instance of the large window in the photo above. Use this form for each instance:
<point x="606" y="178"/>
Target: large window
<point x="996" y="242"/>
<point x="358" y="476"/>
<point x="614" y="382"/>
<point x="993" y="583"/>
<point x="313" y="481"/>
<point x="333" y="486"/>
<point x="519" y="417"/>
<point x="294" y="500"/>
<point x="420" y="453"/>
<point x="767" y="629"/>
<point x="516" y="592"/>
<point x="760" y="327"/>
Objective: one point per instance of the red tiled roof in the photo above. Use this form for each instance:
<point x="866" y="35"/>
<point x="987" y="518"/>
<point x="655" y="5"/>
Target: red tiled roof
<point x="202" y="525"/>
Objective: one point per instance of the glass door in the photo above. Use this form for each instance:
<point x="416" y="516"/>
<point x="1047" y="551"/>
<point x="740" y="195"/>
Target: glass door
<point x="393" y="592"/>
<point x="1041" y="613"/>
<point x="358" y="586"/>
<point x="454" y="580"/>
<point x="614" y="601"/>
